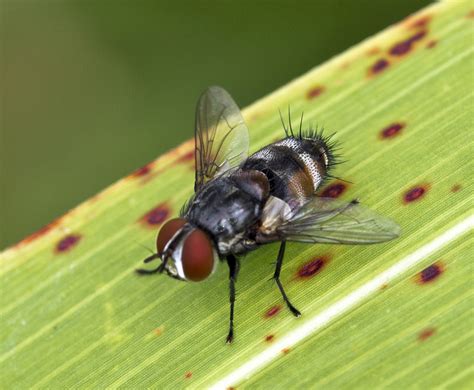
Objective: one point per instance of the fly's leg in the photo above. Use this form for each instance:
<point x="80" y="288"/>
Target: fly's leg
<point x="234" y="266"/>
<point x="276" y="276"/>
<point x="141" y="271"/>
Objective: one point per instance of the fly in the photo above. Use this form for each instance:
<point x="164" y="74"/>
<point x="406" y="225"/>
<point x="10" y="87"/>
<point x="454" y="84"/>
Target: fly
<point x="241" y="202"/>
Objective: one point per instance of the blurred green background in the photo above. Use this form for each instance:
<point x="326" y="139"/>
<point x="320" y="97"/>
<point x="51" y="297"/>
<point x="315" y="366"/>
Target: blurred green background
<point x="91" y="90"/>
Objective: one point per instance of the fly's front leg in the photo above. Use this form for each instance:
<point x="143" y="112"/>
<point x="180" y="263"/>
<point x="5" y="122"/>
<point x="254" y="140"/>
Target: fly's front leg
<point x="234" y="266"/>
<point x="276" y="276"/>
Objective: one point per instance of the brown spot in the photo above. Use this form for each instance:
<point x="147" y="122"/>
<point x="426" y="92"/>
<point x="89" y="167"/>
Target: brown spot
<point x="430" y="273"/>
<point x="415" y="193"/>
<point x="230" y="388"/>
<point x="314" y="92"/>
<point x="426" y="334"/>
<point x="285" y="350"/>
<point x="312" y="267"/>
<point x="155" y="216"/>
<point x="373" y="51"/>
<point x="384" y="286"/>
<point x="334" y="190"/>
<point x="273" y="311"/>
<point x="269" y="338"/>
<point x="188" y="375"/>
<point x="470" y="14"/>
<point x="159" y="331"/>
<point x="391" y="130"/>
<point x="40" y="232"/>
<point x="378" y="66"/>
<point x="143" y="171"/>
<point x="67" y="243"/>
<point x="456" y="188"/>
<point x="431" y="44"/>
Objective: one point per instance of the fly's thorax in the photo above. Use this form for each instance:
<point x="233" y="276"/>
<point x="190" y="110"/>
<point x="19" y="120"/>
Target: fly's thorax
<point x="228" y="208"/>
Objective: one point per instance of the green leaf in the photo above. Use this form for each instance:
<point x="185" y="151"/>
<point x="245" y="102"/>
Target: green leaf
<point x="397" y="314"/>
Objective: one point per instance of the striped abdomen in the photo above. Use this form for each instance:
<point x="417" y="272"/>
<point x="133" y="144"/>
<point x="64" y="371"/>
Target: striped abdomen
<point x="295" y="167"/>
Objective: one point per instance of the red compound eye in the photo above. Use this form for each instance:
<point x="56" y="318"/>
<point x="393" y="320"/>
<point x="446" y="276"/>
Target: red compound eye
<point x="168" y="230"/>
<point x="198" y="256"/>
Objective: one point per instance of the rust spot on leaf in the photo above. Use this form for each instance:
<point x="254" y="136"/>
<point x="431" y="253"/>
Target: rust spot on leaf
<point x="403" y="47"/>
<point x="456" y="188"/>
<point x="470" y="14"/>
<point x="425" y="334"/>
<point x="415" y="193"/>
<point x="373" y="51"/>
<point x="315" y="92"/>
<point x="420" y="23"/>
<point x="285" y="350"/>
<point x="430" y="273"/>
<point x="311" y="268"/>
<point x="159" y="331"/>
<point x="156" y="216"/>
<point x="40" y="232"/>
<point x="273" y="311"/>
<point x="334" y="190"/>
<point x="187" y="157"/>
<point x="431" y="44"/>
<point x="143" y="171"/>
<point x="67" y="243"/>
<point x="378" y="66"/>
<point x="391" y="130"/>
<point x="269" y="338"/>
<point x="188" y="375"/>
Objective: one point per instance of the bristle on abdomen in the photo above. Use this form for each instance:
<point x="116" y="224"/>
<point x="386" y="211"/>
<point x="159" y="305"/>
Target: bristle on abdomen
<point x="295" y="166"/>
<point x="314" y="151"/>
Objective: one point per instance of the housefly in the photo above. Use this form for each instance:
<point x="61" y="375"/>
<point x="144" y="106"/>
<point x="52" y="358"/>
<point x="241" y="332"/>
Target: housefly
<point x="241" y="202"/>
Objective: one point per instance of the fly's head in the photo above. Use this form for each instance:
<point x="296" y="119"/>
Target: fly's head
<point x="187" y="252"/>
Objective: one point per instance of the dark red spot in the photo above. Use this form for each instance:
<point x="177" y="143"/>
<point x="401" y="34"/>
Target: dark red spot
<point x="379" y="66"/>
<point x="456" y="188"/>
<point x="189" y="156"/>
<point x="431" y="44"/>
<point x="334" y="190"/>
<point x="285" y="350"/>
<point x="311" y="268"/>
<point x="421" y="22"/>
<point x="269" y="338"/>
<point x="156" y="216"/>
<point x="273" y="311"/>
<point x="189" y="374"/>
<point x="143" y="171"/>
<point x="430" y="273"/>
<point x="314" y="92"/>
<point x="391" y="130"/>
<point x="415" y="193"/>
<point x="67" y="242"/>
<point x="426" y="334"/>
<point x="405" y="46"/>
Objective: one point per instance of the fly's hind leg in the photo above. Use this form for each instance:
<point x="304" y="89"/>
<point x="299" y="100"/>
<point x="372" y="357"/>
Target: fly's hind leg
<point x="276" y="277"/>
<point x="234" y="266"/>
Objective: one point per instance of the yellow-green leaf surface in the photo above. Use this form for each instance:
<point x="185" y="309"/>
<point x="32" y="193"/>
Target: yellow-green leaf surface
<point x="397" y="314"/>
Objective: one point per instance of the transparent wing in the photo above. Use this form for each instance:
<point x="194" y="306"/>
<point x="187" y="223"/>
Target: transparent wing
<point x="222" y="139"/>
<point x="328" y="220"/>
